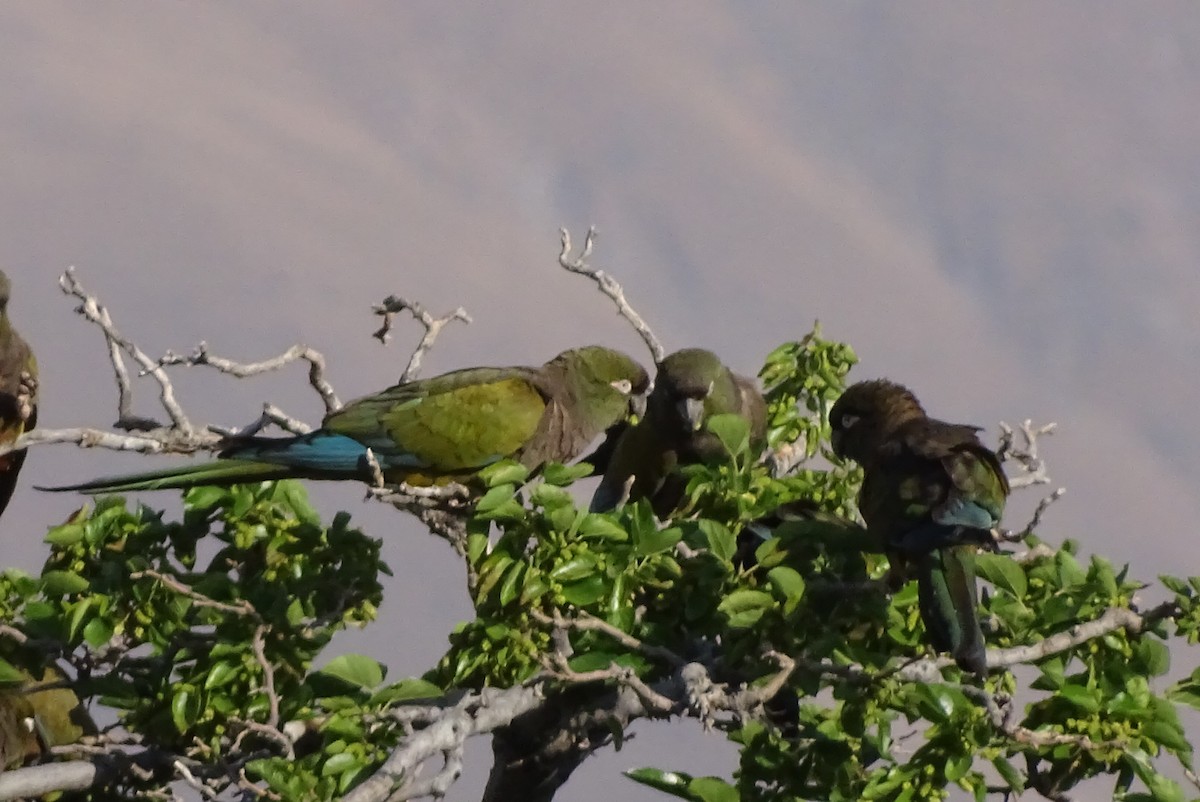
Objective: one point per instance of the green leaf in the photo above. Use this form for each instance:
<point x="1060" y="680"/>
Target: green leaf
<point x="555" y="473"/>
<point x="1085" y="699"/>
<point x="512" y="582"/>
<point x="505" y="472"/>
<point x="788" y="586"/>
<point x="356" y="669"/>
<point x="65" y="535"/>
<point x="586" y="591"/>
<point x="671" y="782"/>
<point x="63" y="583"/>
<point x="500" y="503"/>
<point x="601" y="527"/>
<point x="744" y="607"/>
<point x="181" y="708"/>
<point x="550" y="496"/>
<point x="221" y="674"/>
<point x="1154" y="657"/>
<point x="1009" y="773"/>
<point x="477" y="543"/>
<point x="98" y="632"/>
<point x="1003" y="572"/>
<point x="653" y="540"/>
<point x="712" y="789"/>
<point x="732" y="430"/>
<point x="684" y="786"/>
<point x="406" y="690"/>
<point x="339" y="763"/>
<point x="721" y="542"/>
<point x="10" y="674"/>
<point x="573" y="569"/>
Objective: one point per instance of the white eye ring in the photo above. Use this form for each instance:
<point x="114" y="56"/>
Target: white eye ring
<point x="849" y="420"/>
<point x="622" y="386"/>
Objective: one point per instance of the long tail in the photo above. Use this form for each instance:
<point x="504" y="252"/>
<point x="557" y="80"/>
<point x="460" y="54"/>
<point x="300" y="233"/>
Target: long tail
<point x="223" y="473"/>
<point x="947" y="597"/>
<point x="319" y="455"/>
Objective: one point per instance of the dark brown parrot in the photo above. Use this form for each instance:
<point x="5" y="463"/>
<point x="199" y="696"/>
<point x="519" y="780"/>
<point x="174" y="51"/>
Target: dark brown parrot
<point x="932" y="492"/>
<point x="18" y="394"/>
<point x="691" y="386"/>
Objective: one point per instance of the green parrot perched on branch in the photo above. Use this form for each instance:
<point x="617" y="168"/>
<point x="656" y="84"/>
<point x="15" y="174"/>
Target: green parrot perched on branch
<point x="18" y="394"/>
<point x="433" y="430"/>
<point x="692" y="385"/>
<point x="932" y="492"/>
<point x="34" y="718"/>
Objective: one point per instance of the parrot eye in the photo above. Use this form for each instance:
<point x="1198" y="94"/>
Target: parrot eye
<point x="848" y="420"/>
<point x="622" y="386"/>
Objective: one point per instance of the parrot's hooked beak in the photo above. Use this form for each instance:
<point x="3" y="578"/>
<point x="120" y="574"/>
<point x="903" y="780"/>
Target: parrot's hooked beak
<point x="637" y="407"/>
<point x="692" y="411"/>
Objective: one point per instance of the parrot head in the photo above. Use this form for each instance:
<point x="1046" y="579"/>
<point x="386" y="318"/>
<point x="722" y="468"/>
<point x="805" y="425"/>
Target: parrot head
<point x="867" y="413"/>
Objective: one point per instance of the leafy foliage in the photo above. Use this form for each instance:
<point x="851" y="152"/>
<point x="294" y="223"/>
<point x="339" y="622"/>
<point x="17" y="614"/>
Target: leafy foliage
<point x="202" y="634"/>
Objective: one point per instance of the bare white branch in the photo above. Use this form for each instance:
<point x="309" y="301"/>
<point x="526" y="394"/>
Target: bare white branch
<point x="608" y="286"/>
<point x="271" y="414"/>
<point x="36" y="782"/>
<point x="93" y="311"/>
<point x="241" y="370"/>
<point x="392" y="306"/>
<point x="158" y="441"/>
<point x="1025" y="455"/>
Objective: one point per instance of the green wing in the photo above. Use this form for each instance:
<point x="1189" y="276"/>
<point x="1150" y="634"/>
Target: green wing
<point x="457" y="422"/>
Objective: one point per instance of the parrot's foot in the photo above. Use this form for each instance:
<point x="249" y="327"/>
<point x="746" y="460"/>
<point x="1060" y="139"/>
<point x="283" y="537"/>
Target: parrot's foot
<point x="26" y="394"/>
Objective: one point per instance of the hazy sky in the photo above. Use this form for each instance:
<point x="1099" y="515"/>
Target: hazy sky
<point x="995" y="204"/>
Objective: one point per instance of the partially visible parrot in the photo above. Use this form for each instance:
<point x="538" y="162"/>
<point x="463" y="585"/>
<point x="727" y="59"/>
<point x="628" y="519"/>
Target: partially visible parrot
<point x="932" y="492"/>
<point x="18" y="394"/>
<point x="692" y="385"/>
<point x="32" y="720"/>
<point x="433" y="430"/>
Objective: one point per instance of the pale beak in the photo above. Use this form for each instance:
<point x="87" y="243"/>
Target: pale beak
<point x="637" y="406"/>
<point x="692" y="411"/>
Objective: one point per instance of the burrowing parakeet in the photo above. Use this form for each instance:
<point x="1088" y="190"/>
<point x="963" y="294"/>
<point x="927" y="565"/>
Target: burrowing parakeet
<point x="932" y="492"/>
<point x="18" y="394"/>
<point x="433" y="430"/>
<point x="37" y="714"/>
<point x="691" y="386"/>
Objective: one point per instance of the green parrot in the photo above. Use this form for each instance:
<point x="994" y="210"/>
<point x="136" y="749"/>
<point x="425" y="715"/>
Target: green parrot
<point x="932" y="493"/>
<point x="18" y="394"/>
<point x="691" y="386"/>
<point x="33" y="720"/>
<point x="433" y="430"/>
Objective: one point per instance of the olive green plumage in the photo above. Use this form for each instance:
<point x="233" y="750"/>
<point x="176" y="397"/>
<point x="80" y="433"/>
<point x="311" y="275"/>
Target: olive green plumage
<point x="434" y="430"/>
<point x="691" y="386"/>
<point x="33" y="718"/>
<point x="18" y="394"/>
<point x="932" y="492"/>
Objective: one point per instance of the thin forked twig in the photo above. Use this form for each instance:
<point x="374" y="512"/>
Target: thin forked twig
<point x="91" y="310"/>
<point x="608" y="286"/>
<point x="392" y="306"/>
<point x="241" y="370"/>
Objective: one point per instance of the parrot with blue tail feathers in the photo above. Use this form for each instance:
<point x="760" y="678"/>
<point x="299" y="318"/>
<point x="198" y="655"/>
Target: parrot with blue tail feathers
<point x="430" y="431"/>
<point x="932" y="492"/>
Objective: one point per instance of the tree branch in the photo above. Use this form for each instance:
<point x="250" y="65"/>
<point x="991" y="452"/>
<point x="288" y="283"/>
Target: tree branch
<point x="94" y="312"/>
<point x="608" y="286"/>
<point x="393" y="305"/>
<point x="241" y="370"/>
